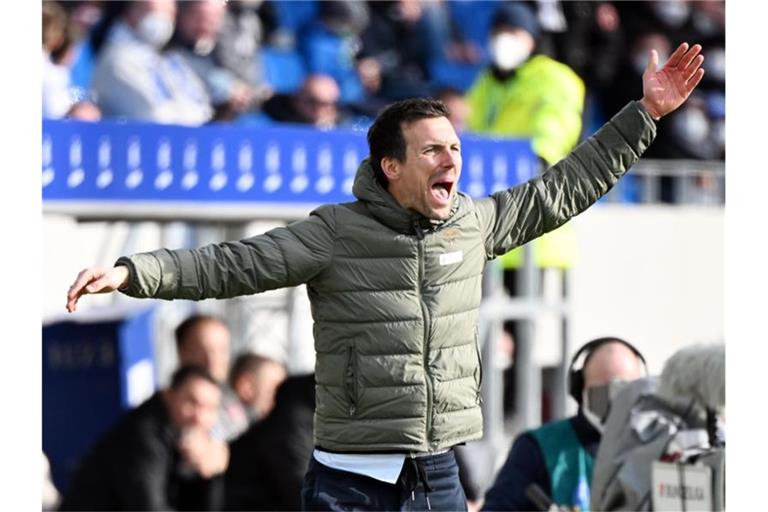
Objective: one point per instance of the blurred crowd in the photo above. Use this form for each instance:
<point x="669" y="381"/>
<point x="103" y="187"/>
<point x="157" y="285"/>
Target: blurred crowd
<point x="551" y="71"/>
<point x="237" y="434"/>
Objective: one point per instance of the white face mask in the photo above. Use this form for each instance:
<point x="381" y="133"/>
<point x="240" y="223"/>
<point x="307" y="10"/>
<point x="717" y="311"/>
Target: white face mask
<point x="204" y="46"/>
<point x="508" y="51"/>
<point x="155" y="29"/>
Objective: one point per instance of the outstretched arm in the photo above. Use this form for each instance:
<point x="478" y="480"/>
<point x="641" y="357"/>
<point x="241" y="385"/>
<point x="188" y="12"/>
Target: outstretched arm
<point x="515" y="216"/>
<point x="285" y="256"/>
<point x="666" y="89"/>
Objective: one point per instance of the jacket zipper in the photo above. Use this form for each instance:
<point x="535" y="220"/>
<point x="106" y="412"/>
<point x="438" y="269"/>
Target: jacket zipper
<point x="425" y="313"/>
<point x="350" y="383"/>
<point x="479" y="398"/>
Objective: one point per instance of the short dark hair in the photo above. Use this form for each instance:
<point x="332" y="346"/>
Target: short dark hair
<point x="184" y="373"/>
<point x="385" y="136"/>
<point x="184" y="328"/>
<point x="247" y="362"/>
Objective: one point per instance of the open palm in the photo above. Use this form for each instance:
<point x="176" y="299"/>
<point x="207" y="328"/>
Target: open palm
<point x="666" y="89"/>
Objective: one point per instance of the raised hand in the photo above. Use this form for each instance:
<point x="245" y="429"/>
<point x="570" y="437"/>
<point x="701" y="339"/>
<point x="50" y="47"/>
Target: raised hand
<point x="668" y="88"/>
<point x="95" y="280"/>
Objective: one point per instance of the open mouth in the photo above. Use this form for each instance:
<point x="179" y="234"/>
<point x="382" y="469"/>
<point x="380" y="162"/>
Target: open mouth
<point x="441" y="189"/>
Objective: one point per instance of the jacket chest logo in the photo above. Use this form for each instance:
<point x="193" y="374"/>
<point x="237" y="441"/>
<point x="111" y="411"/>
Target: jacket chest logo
<point x="450" y="258"/>
<point x="450" y="234"/>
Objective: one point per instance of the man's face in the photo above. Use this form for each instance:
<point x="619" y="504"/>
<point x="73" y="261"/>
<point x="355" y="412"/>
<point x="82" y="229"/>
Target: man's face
<point x="318" y="102"/>
<point x="207" y="346"/>
<point x="426" y="181"/>
<point x="266" y="381"/>
<point x="195" y="404"/>
<point x="201" y="20"/>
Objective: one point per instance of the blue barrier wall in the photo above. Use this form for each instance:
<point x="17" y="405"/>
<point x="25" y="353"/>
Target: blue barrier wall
<point x="93" y="370"/>
<point x="124" y="162"/>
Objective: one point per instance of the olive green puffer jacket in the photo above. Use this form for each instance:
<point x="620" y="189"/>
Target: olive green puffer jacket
<point x="394" y="295"/>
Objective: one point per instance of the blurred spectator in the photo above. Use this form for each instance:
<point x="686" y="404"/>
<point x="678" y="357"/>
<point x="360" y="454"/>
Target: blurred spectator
<point x="240" y="39"/>
<point x="269" y="460"/>
<point x="315" y="103"/>
<point x="133" y="77"/>
<point x="697" y="130"/>
<point x="204" y="341"/>
<point x="677" y="418"/>
<point x="330" y="44"/>
<point x="59" y="97"/>
<point x="528" y="95"/>
<point x="558" y="456"/>
<point x="255" y="380"/>
<point x="395" y="53"/>
<point x="458" y="108"/>
<point x="144" y="462"/>
<point x="591" y="43"/>
<point x="523" y="94"/>
<point x="198" y="28"/>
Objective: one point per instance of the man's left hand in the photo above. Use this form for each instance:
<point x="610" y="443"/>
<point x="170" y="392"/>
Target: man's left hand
<point x="666" y="89"/>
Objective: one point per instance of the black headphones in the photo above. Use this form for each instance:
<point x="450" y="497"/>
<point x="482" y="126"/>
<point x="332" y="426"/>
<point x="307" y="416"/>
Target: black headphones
<point x="576" y="377"/>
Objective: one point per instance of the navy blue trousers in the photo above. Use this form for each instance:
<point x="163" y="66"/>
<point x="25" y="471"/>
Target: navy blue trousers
<point x="425" y="483"/>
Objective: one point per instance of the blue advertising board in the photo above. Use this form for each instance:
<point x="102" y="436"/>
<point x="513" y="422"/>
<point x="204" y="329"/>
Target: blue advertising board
<point x="117" y="164"/>
<point x="94" y="368"/>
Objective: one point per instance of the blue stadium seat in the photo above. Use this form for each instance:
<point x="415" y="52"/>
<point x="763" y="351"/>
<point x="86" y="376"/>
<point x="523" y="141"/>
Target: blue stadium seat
<point x="458" y="75"/>
<point x="473" y="19"/>
<point x="283" y="69"/>
<point x="294" y="14"/>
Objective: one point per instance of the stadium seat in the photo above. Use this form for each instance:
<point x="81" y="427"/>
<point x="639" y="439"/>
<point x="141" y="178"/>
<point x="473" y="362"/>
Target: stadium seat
<point x="283" y="69"/>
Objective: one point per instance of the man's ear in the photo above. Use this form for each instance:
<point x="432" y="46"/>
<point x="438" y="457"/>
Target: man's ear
<point x="391" y="168"/>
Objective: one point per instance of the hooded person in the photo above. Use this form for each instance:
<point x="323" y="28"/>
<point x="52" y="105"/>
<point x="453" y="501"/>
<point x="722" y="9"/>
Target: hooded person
<point x="525" y="94"/>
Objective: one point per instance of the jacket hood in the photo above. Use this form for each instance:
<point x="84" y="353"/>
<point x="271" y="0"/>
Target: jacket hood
<point x="385" y="208"/>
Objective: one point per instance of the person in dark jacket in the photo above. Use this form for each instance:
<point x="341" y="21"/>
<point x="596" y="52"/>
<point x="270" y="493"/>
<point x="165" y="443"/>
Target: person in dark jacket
<point x="558" y="456"/>
<point x="149" y="461"/>
<point x="394" y="279"/>
<point x="269" y="460"/>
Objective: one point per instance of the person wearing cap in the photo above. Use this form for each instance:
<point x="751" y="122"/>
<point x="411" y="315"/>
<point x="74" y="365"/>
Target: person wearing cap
<point x="558" y="456"/>
<point x="524" y="94"/>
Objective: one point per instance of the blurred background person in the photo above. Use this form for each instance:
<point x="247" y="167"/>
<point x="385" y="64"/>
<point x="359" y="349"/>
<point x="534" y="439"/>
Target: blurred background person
<point x="145" y="461"/>
<point x="60" y="98"/>
<point x="458" y="108"/>
<point x="204" y="341"/>
<point x="330" y="43"/>
<point x="316" y="103"/>
<point x="270" y="459"/>
<point x="525" y="94"/>
<point x="558" y="456"/>
<point x="134" y="78"/>
<point x="255" y="380"/>
<point x="199" y="26"/>
<point x="676" y="418"/>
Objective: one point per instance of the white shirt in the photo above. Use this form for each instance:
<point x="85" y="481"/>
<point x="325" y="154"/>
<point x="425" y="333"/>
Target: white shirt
<point x="385" y="467"/>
